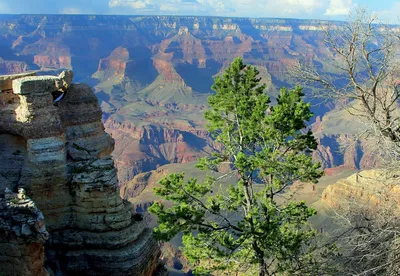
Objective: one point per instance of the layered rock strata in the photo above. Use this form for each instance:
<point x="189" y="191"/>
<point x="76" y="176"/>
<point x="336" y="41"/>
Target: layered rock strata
<point x="22" y="233"/>
<point x="51" y="133"/>
<point x="370" y="188"/>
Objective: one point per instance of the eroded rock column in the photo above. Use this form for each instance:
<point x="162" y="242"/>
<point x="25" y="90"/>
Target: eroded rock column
<point x="67" y="170"/>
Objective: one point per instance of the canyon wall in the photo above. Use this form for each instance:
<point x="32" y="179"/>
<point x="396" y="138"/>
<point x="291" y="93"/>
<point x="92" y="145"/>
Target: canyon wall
<point x="54" y="147"/>
<point x="22" y="233"/>
<point x="368" y="189"/>
<point x="152" y="76"/>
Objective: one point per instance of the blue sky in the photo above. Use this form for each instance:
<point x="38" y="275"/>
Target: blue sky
<point x="387" y="10"/>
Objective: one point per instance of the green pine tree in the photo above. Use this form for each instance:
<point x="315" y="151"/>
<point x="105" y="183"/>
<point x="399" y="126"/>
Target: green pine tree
<point x="249" y="228"/>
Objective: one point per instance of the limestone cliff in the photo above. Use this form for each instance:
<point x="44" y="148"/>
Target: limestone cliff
<point x="10" y="66"/>
<point x="22" y="233"/>
<point x="369" y="187"/>
<point x="53" y="144"/>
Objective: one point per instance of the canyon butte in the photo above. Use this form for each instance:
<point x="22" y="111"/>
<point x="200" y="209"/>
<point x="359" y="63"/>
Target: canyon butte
<point x="150" y="76"/>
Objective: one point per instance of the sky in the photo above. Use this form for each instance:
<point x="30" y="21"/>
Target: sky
<point x="387" y="10"/>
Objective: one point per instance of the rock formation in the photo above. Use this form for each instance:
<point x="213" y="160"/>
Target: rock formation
<point x="152" y="76"/>
<point x="143" y="148"/>
<point x="10" y="67"/>
<point x="53" y="144"/>
<point x="22" y="233"/>
<point x="369" y="188"/>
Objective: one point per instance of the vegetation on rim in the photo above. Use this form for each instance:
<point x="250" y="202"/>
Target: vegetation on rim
<point x="249" y="228"/>
<point x="366" y="56"/>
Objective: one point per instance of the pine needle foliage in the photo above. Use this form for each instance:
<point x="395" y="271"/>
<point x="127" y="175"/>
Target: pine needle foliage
<point x="249" y="228"/>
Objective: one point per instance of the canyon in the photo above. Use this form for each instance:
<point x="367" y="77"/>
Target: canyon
<point x="152" y="76"/>
<point x="72" y="200"/>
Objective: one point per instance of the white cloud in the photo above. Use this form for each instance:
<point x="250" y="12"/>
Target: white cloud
<point x="339" y="7"/>
<point x="308" y="5"/>
<point x="215" y="5"/>
<point x="204" y="7"/>
<point x="297" y="6"/>
<point x="274" y="8"/>
<point x="178" y="6"/>
<point x="246" y="8"/>
<point x="134" y="4"/>
<point x="70" y="11"/>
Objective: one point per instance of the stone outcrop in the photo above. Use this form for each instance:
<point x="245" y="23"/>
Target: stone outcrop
<point x="11" y="66"/>
<point x="22" y="233"/>
<point x="114" y="66"/>
<point x="53" y="144"/>
<point x="369" y="187"/>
